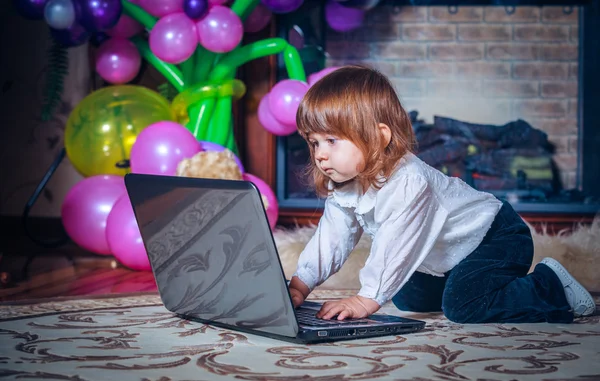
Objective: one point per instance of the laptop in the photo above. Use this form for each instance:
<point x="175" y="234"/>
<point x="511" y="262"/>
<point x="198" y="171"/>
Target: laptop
<point x="215" y="261"/>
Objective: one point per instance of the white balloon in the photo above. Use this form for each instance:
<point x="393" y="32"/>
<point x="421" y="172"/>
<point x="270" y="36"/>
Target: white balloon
<point x="59" y="14"/>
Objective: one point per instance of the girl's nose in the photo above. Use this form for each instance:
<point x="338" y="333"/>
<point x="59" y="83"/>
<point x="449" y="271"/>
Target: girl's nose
<point x="320" y="154"/>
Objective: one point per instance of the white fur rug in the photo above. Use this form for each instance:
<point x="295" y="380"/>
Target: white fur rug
<point x="578" y="250"/>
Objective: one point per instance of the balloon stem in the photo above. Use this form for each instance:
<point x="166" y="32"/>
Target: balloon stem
<point x="139" y="14"/>
<point x="243" y="8"/>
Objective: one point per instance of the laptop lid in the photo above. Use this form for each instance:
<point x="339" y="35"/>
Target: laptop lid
<point x="212" y="252"/>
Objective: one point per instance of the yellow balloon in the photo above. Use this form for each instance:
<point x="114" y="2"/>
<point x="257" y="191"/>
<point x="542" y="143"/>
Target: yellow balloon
<point x="103" y="127"/>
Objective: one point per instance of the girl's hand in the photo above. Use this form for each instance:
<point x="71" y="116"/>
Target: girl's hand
<point x="298" y="291"/>
<point x="355" y="307"/>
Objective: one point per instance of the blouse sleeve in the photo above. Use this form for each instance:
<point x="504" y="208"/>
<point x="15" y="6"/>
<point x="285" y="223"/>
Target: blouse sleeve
<point x="411" y="220"/>
<point x="336" y="236"/>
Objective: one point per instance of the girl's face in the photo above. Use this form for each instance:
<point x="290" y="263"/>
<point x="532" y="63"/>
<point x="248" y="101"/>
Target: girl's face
<point x="338" y="159"/>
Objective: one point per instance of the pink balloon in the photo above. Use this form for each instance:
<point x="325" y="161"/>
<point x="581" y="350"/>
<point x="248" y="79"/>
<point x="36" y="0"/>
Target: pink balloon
<point x="160" y="8"/>
<point x="221" y="30"/>
<point x="124" y="238"/>
<point x="174" y="38"/>
<point x="268" y="121"/>
<point x="160" y="147"/>
<point x="343" y="19"/>
<point x="217" y="2"/>
<point x="126" y="27"/>
<point x="118" y="61"/>
<point x="285" y="98"/>
<point x="210" y="146"/>
<point x="85" y="210"/>
<point x="314" y="77"/>
<point x="265" y="191"/>
<point x="258" y="19"/>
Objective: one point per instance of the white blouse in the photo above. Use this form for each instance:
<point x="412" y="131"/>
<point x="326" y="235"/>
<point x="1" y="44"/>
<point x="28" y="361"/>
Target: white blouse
<point x="420" y="220"/>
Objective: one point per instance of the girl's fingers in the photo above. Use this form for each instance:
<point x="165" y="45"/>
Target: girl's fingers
<point x="335" y="310"/>
<point x="344" y="314"/>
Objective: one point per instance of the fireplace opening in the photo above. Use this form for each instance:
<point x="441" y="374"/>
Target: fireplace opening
<point x="496" y="94"/>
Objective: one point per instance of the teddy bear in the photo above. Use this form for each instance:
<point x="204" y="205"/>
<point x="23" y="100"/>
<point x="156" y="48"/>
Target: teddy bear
<point x="210" y="165"/>
<point x="213" y="165"/>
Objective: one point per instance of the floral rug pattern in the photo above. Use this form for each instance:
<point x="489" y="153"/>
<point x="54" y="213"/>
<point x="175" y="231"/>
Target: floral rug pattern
<point x="135" y="338"/>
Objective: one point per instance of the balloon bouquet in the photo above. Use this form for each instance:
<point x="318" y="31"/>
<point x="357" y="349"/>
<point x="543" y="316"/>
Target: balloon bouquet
<point x="196" y="46"/>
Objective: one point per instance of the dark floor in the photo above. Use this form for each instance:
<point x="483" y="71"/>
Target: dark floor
<point x="62" y="271"/>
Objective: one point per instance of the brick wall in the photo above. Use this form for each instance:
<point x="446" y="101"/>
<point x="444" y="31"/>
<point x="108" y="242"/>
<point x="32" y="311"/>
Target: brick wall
<point x="479" y="64"/>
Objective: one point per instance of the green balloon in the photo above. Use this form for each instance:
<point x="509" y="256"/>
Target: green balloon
<point x="102" y="128"/>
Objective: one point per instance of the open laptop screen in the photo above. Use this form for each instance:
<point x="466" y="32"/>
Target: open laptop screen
<point x="212" y="252"/>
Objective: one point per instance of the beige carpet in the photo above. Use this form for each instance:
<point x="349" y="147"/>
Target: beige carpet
<point x="135" y="338"/>
<point x="578" y="250"/>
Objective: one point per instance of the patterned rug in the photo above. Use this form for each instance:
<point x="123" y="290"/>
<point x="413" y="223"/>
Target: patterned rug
<point x="135" y="338"/>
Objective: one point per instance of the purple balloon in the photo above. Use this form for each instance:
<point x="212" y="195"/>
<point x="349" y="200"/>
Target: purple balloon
<point x="285" y="98"/>
<point x="268" y="121"/>
<point x="343" y="19"/>
<point x="75" y="35"/>
<point x="195" y="9"/>
<point x="221" y="30"/>
<point x="174" y="38"/>
<point x="118" y="61"/>
<point x="282" y="6"/>
<point x="126" y="27"/>
<point x="161" y="8"/>
<point x="99" y="15"/>
<point x="30" y="9"/>
<point x="98" y="38"/>
<point x="314" y="77"/>
<point x="258" y="19"/>
<point x="86" y="208"/>
<point x="210" y="146"/>
<point x="160" y="147"/>
<point x="124" y="238"/>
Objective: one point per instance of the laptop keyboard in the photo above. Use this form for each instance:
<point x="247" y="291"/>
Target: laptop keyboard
<point x="307" y="317"/>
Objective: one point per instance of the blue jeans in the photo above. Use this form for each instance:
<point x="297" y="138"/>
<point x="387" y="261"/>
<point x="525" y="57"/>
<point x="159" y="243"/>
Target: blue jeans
<point x="491" y="285"/>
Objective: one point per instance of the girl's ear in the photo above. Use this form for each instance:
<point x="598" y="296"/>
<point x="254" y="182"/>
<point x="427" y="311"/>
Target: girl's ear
<point x="386" y="133"/>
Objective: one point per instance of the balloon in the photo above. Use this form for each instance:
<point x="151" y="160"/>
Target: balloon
<point x="314" y="77"/>
<point x="126" y="27"/>
<point x="216" y="2"/>
<point x="258" y="19"/>
<point x="174" y="39"/>
<point x="124" y="238"/>
<point x="100" y="15"/>
<point x="103" y="127"/>
<point x="30" y="9"/>
<point x="160" y="8"/>
<point x="268" y="197"/>
<point x="285" y="98"/>
<point x="86" y="208"/>
<point x="73" y="36"/>
<point x="59" y="14"/>
<point x="118" y="61"/>
<point x="282" y="6"/>
<point x="98" y="38"/>
<point x="160" y="147"/>
<point x="361" y="4"/>
<point x="195" y="9"/>
<point x="203" y="91"/>
<point x="268" y="121"/>
<point x="343" y="19"/>
<point x="221" y="30"/>
<point x="210" y="146"/>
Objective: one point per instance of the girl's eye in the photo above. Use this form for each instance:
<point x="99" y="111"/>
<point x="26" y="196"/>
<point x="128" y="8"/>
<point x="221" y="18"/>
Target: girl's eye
<point x="330" y="141"/>
<point x="314" y="144"/>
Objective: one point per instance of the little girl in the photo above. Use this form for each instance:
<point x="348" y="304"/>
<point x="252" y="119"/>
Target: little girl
<point x="438" y="244"/>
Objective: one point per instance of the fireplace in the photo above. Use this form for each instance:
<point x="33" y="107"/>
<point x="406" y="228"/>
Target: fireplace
<point x="503" y="94"/>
